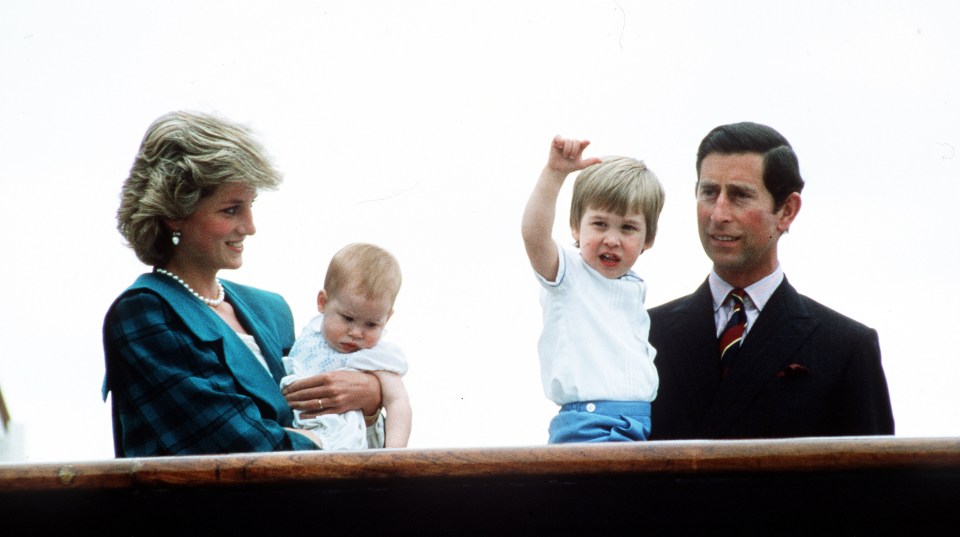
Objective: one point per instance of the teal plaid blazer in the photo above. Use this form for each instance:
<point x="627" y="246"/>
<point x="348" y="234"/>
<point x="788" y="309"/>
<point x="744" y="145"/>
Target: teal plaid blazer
<point x="183" y="383"/>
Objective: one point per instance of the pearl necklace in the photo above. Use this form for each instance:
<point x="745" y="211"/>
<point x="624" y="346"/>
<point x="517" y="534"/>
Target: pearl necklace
<point x="208" y="301"/>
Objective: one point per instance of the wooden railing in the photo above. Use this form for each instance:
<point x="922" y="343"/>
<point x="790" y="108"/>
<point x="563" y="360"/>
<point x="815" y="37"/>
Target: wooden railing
<point x="825" y="486"/>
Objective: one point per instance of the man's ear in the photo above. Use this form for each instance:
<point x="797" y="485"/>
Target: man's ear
<point x="788" y="211"/>
<point x="322" y="300"/>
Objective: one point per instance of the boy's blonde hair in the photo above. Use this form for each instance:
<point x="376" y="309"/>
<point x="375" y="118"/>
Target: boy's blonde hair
<point x="619" y="185"/>
<point x="365" y="268"/>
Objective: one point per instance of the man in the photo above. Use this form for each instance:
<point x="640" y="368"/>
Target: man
<point x="797" y="368"/>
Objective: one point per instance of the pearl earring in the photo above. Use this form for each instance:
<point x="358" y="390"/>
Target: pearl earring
<point x="175" y="238"/>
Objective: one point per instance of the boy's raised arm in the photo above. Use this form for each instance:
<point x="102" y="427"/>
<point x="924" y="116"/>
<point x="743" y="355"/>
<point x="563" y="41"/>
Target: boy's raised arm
<point x="566" y="156"/>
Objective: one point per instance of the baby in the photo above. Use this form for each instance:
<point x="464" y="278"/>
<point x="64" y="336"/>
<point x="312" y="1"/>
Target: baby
<point x="355" y="304"/>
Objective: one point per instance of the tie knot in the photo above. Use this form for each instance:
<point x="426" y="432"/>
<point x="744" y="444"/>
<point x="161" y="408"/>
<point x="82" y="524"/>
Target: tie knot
<point x="737" y="295"/>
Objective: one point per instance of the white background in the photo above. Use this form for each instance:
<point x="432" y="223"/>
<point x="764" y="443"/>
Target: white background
<point x="422" y="126"/>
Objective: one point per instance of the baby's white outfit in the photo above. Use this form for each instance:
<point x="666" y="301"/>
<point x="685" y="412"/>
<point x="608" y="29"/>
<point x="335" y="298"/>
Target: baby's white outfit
<point x="311" y="355"/>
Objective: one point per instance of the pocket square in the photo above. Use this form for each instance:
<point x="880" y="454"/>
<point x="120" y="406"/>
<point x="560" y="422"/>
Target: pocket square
<point x="793" y="370"/>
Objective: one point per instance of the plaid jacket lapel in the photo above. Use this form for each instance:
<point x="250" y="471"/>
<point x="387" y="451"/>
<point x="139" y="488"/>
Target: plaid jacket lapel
<point x="207" y="326"/>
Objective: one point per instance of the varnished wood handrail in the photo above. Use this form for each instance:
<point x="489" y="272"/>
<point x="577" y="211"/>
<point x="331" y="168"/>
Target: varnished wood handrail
<point x="688" y="457"/>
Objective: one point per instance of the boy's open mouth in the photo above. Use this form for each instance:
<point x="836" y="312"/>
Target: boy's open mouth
<point x="609" y="259"/>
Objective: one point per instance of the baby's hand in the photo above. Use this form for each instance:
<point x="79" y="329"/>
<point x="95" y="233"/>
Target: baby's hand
<point x="566" y="155"/>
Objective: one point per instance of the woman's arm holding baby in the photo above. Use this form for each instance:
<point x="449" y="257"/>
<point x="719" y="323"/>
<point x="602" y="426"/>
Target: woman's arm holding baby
<point x="335" y="392"/>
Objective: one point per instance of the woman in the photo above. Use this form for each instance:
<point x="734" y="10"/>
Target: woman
<point x="193" y="361"/>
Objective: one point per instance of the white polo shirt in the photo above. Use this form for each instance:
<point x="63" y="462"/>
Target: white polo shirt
<point x="594" y="344"/>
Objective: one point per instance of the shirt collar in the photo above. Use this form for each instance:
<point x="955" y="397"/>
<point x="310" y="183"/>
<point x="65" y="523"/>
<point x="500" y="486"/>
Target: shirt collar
<point x="758" y="292"/>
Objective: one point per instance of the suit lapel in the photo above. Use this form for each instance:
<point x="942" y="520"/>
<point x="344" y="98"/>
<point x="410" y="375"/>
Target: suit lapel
<point x="695" y="360"/>
<point x="781" y="328"/>
<point x="270" y="346"/>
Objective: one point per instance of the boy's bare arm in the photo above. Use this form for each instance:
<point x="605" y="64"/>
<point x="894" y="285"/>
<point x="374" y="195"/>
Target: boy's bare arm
<point x="538" y="217"/>
<point x="397" y="404"/>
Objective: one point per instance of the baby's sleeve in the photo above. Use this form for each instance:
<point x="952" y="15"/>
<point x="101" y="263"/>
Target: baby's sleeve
<point x="290" y="366"/>
<point x="384" y="356"/>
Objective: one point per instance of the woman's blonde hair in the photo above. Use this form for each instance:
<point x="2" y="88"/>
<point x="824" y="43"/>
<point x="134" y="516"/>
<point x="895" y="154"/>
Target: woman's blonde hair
<point x="184" y="157"/>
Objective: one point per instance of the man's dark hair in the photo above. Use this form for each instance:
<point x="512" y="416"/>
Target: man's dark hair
<point x="781" y="169"/>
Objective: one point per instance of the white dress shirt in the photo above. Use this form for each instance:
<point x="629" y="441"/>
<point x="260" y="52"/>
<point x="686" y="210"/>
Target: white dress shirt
<point x="758" y="294"/>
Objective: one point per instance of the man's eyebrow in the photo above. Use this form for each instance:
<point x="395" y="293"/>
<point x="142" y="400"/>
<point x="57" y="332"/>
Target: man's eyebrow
<point x="748" y="188"/>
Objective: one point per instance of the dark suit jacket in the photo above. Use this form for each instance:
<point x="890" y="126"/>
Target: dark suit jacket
<point x="184" y="383"/>
<point x="803" y="370"/>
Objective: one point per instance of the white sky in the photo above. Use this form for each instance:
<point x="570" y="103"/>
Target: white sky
<point x="422" y="126"/>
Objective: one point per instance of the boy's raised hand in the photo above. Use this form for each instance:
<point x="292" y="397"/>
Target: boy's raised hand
<point x="566" y="155"/>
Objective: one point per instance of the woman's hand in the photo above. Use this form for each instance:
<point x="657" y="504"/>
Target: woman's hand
<point x="334" y="393"/>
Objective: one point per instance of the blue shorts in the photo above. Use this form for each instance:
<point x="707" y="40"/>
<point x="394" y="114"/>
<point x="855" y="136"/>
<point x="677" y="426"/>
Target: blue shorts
<point x="601" y="421"/>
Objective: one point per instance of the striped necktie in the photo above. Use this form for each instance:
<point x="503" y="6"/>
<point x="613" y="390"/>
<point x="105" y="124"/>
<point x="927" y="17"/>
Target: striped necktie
<point x="733" y="333"/>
